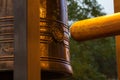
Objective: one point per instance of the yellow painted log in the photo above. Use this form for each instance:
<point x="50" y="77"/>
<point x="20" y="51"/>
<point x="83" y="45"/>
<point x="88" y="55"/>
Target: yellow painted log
<point x="98" y="27"/>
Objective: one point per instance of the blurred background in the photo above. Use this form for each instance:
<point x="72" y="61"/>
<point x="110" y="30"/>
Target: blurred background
<point x="93" y="59"/>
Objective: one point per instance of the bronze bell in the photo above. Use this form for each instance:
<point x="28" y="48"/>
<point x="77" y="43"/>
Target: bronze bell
<point x="54" y="39"/>
<point x="6" y="40"/>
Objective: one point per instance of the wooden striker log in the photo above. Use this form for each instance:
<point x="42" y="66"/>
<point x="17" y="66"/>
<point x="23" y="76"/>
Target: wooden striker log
<point x="98" y="27"/>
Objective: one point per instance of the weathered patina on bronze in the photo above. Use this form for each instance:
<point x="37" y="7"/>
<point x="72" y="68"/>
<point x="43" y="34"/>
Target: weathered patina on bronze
<point x="6" y="42"/>
<point x="54" y="40"/>
<point x="6" y="39"/>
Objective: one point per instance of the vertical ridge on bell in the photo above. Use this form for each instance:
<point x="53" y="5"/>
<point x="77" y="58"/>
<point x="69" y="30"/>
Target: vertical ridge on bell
<point x="54" y="39"/>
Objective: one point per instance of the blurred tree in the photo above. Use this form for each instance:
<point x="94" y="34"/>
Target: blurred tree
<point x="95" y="59"/>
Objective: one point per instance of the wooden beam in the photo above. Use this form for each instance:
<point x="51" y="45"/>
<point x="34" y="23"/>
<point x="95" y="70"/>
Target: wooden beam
<point x="27" y="59"/>
<point x="97" y="27"/>
<point x="117" y="9"/>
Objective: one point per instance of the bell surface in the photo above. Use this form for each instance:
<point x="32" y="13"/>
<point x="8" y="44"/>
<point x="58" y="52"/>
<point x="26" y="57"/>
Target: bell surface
<point x="6" y="40"/>
<point x="54" y="40"/>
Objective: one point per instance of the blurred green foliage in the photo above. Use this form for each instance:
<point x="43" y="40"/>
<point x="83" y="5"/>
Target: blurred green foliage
<point x="94" y="59"/>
